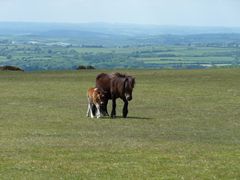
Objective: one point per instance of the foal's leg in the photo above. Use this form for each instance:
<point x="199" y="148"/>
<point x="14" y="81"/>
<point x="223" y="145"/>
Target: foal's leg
<point x="88" y="110"/>
<point x="98" y="114"/>
<point x="125" y="108"/>
<point x="91" y="110"/>
<point x="113" y="113"/>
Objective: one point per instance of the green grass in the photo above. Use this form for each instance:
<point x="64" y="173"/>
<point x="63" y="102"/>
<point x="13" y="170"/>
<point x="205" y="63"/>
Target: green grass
<point x="186" y="60"/>
<point x="181" y="125"/>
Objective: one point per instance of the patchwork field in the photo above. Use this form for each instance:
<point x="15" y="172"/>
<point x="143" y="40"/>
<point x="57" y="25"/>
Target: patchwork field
<point x="32" y="57"/>
<point x="182" y="125"/>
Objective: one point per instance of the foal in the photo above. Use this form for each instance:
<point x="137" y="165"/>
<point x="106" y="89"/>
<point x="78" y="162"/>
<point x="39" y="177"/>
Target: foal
<point x="95" y="100"/>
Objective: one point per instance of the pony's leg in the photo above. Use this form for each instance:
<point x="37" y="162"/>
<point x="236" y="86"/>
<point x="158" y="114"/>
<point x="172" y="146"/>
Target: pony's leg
<point x="98" y="114"/>
<point x="125" y="108"/>
<point x="94" y="110"/>
<point x="101" y="110"/>
<point x="113" y="113"/>
<point x="105" y="109"/>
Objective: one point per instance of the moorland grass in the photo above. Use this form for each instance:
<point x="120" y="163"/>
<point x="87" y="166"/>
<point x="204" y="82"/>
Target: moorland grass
<point x="181" y="125"/>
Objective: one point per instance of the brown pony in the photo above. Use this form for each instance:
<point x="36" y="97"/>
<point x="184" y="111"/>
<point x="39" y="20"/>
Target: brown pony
<point x="115" y="86"/>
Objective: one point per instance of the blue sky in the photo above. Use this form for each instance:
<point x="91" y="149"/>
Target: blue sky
<point x="159" y="12"/>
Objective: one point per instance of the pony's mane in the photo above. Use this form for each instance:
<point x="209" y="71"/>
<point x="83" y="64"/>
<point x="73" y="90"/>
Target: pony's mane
<point x="117" y="74"/>
<point x="100" y="75"/>
<point x="120" y="75"/>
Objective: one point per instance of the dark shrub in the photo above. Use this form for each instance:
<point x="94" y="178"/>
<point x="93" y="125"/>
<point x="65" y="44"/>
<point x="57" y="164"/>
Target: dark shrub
<point x="85" y="67"/>
<point x="81" y="67"/>
<point x="10" y="68"/>
<point x="90" y="67"/>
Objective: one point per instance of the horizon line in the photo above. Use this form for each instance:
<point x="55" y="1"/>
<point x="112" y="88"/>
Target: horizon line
<point x="121" y="23"/>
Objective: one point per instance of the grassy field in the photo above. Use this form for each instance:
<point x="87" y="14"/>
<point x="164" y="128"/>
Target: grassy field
<point x="181" y="125"/>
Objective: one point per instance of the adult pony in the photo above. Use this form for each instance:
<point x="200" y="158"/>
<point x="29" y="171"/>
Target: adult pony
<point x="115" y="86"/>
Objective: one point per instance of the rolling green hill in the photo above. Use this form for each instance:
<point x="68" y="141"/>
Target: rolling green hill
<point x="46" y="46"/>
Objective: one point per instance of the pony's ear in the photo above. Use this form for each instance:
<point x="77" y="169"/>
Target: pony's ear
<point x="133" y="82"/>
<point x="125" y="84"/>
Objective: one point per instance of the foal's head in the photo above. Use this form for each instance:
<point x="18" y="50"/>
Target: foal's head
<point x="98" y="96"/>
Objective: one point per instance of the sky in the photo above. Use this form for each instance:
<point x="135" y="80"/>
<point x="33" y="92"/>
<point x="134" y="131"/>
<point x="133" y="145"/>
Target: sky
<point x="154" y="12"/>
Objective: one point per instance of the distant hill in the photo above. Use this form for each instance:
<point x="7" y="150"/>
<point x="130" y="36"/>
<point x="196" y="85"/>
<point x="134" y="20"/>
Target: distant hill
<point x="113" y="29"/>
<point x="102" y="34"/>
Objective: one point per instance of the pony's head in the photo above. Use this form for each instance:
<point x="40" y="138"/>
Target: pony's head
<point x="128" y="87"/>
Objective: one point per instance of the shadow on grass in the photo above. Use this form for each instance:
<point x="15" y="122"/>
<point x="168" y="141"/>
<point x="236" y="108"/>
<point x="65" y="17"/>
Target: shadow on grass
<point x="136" y="117"/>
<point x="129" y="117"/>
